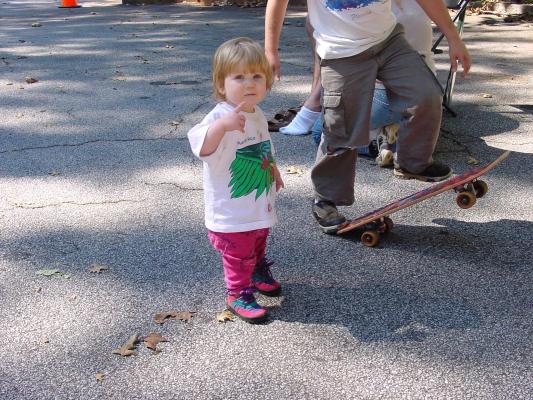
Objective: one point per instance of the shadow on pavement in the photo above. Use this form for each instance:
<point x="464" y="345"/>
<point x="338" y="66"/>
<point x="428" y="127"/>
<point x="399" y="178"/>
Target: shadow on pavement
<point x="375" y="311"/>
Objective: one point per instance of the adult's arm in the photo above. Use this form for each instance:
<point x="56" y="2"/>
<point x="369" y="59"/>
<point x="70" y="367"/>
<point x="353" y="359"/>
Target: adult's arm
<point x="274" y="16"/>
<point x="437" y="11"/>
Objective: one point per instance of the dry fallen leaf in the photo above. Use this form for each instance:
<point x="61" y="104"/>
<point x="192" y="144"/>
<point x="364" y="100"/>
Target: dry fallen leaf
<point x="152" y="340"/>
<point x="128" y="349"/>
<point x="225" y="315"/>
<point x="472" y="161"/>
<point x="37" y="289"/>
<point x="45" y="340"/>
<point x="100" y="376"/>
<point x="49" y="272"/>
<point x="181" y="315"/>
<point x="294" y="170"/>
<point x="97" y="268"/>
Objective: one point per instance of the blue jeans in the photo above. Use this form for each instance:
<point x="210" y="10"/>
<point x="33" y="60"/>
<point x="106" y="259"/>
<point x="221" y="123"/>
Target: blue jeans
<point x="380" y="116"/>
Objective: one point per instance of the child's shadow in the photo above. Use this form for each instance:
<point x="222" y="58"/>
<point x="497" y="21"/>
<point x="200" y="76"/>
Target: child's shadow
<point x="374" y="312"/>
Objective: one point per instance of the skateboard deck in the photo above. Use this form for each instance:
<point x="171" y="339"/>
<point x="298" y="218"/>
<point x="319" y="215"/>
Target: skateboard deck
<point x="467" y="186"/>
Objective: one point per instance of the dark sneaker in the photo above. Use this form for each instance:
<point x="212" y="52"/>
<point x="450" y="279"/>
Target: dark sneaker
<point x="370" y="151"/>
<point x="434" y="173"/>
<point x="244" y="306"/>
<point x="373" y="149"/>
<point x="327" y="215"/>
<point x="263" y="281"/>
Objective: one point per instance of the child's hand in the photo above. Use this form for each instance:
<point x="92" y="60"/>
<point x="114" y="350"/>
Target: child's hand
<point x="233" y="121"/>
<point x="278" y="179"/>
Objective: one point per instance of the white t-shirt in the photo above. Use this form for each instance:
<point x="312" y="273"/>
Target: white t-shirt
<point x="418" y="31"/>
<point x="238" y="181"/>
<point x="417" y="25"/>
<point x="343" y="28"/>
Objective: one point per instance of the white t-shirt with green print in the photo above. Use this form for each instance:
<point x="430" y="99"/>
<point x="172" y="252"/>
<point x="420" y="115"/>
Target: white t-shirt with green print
<point x="238" y="180"/>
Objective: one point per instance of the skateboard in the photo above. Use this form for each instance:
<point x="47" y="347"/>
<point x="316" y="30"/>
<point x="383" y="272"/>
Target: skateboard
<point x="467" y="186"/>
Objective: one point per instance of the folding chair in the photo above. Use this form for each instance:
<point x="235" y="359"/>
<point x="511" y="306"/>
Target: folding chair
<point x="459" y="20"/>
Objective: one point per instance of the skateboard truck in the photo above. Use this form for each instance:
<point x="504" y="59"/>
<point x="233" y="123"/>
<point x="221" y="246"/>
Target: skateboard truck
<point x="468" y="193"/>
<point x="373" y="230"/>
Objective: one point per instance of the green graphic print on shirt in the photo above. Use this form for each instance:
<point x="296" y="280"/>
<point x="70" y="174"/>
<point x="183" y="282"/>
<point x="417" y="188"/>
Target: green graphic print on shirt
<point x="252" y="170"/>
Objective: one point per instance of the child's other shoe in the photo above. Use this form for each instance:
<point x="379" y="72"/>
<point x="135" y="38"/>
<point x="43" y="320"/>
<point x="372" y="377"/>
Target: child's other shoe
<point x="244" y="306"/>
<point x="263" y="281"/>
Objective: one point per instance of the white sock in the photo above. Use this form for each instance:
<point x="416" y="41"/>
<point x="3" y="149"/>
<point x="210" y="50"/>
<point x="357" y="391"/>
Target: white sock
<point x="302" y="122"/>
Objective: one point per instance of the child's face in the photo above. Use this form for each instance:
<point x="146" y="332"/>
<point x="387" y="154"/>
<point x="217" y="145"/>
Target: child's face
<point x="249" y="87"/>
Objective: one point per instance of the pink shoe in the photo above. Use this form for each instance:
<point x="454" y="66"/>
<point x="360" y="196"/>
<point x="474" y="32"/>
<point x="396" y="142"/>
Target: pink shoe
<point x="263" y="281"/>
<point x="244" y="306"/>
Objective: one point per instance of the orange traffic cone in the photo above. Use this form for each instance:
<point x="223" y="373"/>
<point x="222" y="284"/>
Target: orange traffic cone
<point x="69" y="4"/>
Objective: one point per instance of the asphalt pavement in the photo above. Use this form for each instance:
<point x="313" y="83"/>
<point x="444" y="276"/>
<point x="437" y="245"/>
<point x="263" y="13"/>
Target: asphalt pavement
<point x="95" y="169"/>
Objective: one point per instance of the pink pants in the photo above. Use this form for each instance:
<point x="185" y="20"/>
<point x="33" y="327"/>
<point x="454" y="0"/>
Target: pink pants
<point x="240" y="251"/>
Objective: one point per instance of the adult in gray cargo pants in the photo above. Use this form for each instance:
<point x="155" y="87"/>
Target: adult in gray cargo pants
<point x="359" y="41"/>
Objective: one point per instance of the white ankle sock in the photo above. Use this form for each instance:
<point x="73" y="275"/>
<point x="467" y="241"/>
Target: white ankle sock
<point x="302" y="122"/>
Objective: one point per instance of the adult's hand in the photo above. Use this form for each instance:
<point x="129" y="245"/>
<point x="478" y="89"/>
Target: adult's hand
<point x="437" y="11"/>
<point x="273" y="60"/>
<point x="459" y="52"/>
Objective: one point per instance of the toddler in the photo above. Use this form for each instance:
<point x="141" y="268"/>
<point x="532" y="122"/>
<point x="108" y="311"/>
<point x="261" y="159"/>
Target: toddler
<point x="240" y="177"/>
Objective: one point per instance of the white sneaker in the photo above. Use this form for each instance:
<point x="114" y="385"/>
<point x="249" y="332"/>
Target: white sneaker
<point x="385" y="158"/>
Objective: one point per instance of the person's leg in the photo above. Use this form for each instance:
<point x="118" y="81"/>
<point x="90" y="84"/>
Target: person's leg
<point x="347" y="99"/>
<point x="238" y="252"/>
<point x="386" y="145"/>
<point x="316" y="130"/>
<point x="262" y="278"/>
<point x="311" y="109"/>
<point x="414" y="91"/>
<point x="313" y="101"/>
<point x="384" y="120"/>
<point x="381" y="115"/>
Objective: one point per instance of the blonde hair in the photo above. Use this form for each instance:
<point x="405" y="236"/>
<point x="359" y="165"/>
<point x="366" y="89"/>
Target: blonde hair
<point x="239" y="51"/>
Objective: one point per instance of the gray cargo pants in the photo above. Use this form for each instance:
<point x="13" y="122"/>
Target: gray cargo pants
<point x="348" y="85"/>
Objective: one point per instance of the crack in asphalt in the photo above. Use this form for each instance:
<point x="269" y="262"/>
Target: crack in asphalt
<point x="173" y="184"/>
<point x="175" y="125"/>
<point x="29" y="207"/>
<point x="87" y="142"/>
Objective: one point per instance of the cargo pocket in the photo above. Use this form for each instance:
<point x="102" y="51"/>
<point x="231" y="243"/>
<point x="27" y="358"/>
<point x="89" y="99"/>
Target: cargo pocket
<point x="334" y="124"/>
